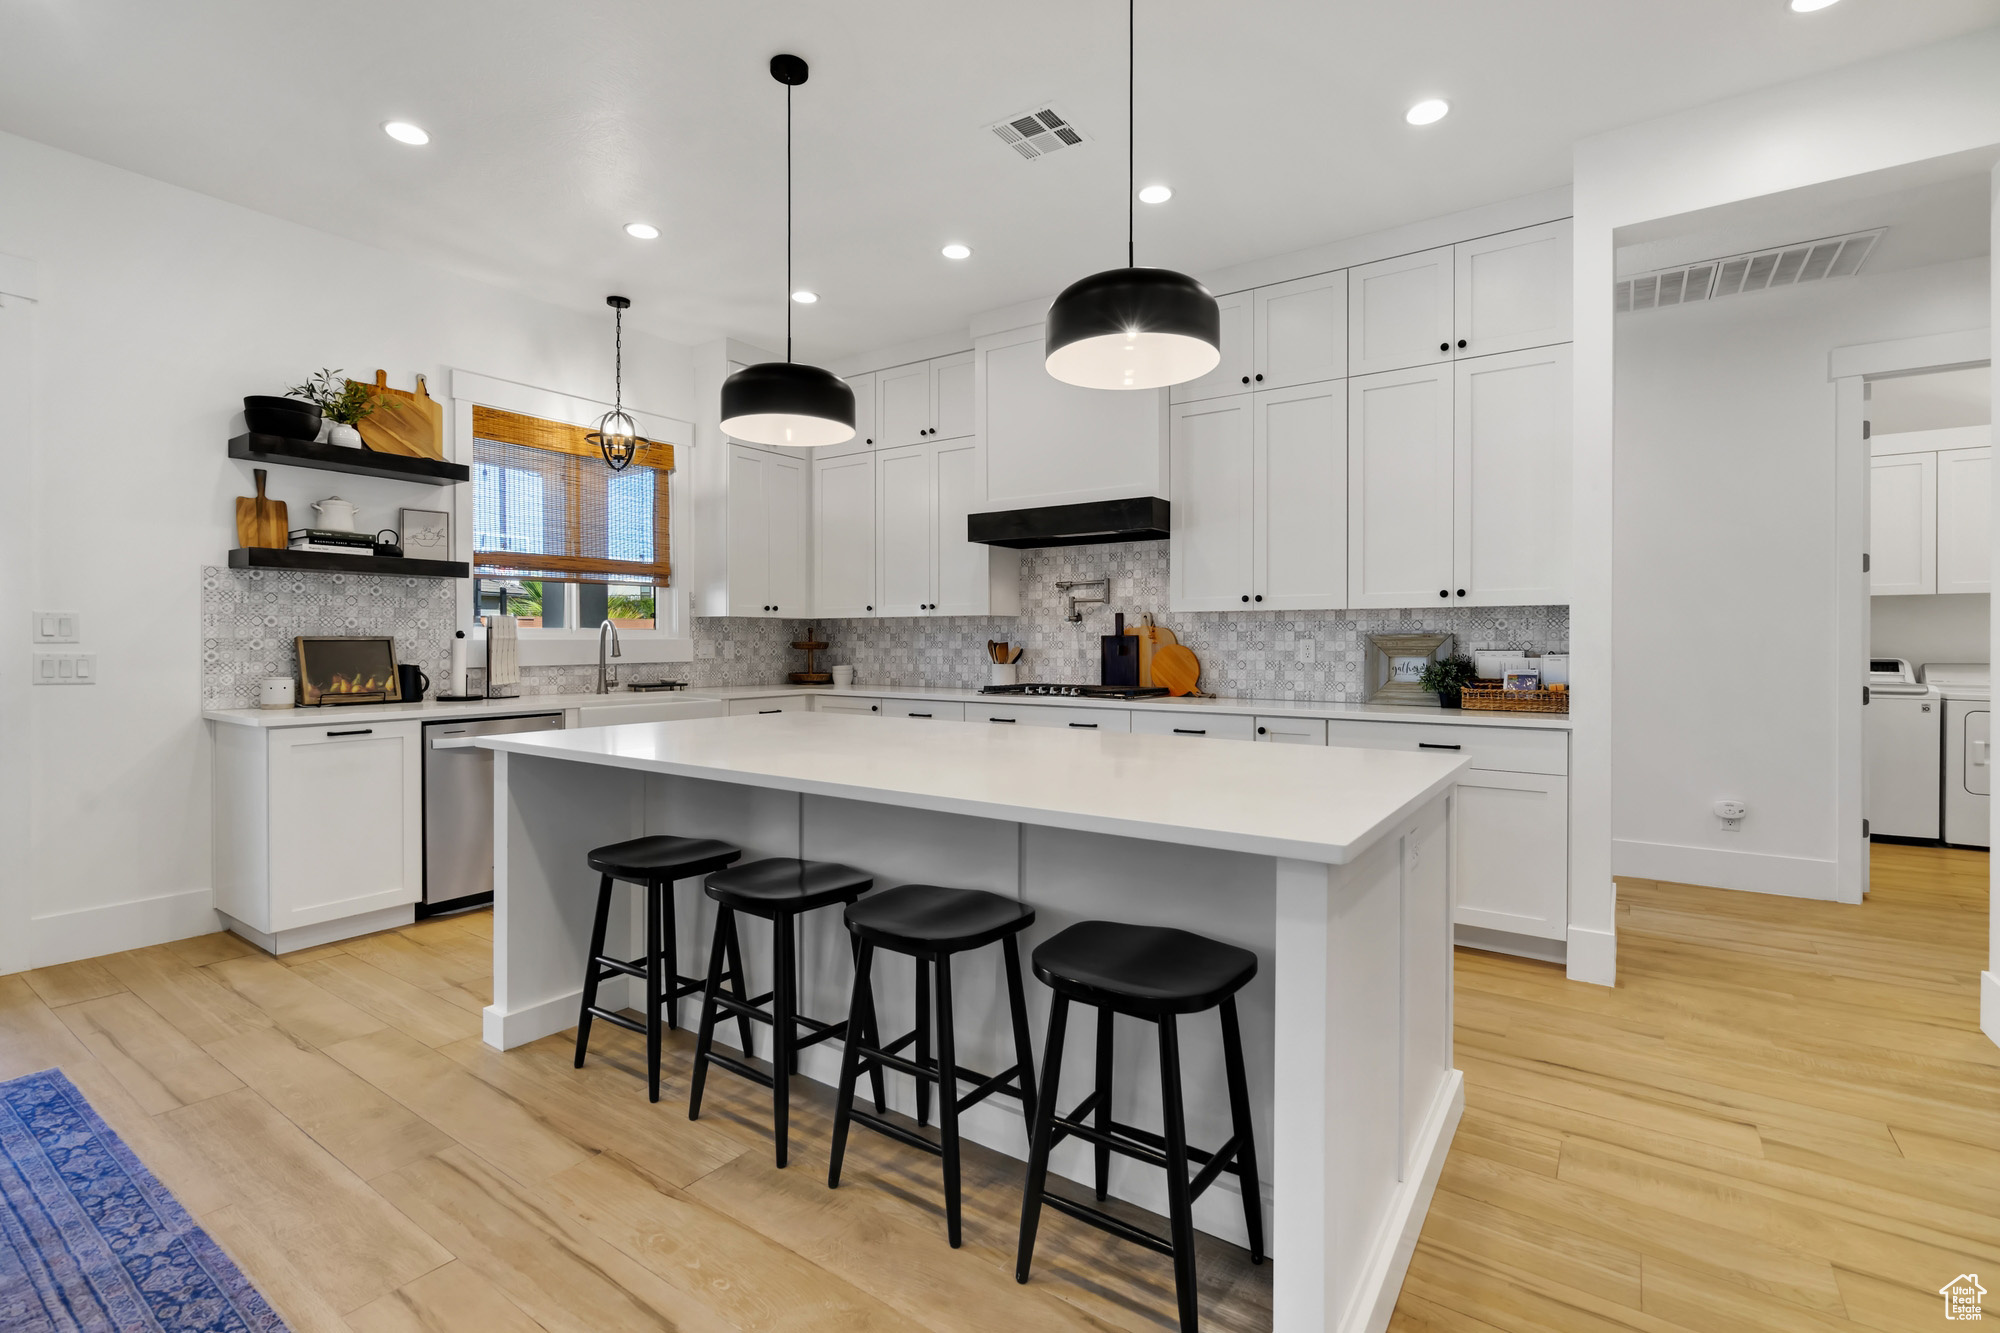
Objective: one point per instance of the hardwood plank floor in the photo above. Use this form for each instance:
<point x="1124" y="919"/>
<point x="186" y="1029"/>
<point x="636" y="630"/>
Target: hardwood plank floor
<point x="1783" y="1118"/>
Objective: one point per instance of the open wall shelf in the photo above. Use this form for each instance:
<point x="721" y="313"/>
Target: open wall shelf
<point x="273" y="557"/>
<point x="252" y="448"/>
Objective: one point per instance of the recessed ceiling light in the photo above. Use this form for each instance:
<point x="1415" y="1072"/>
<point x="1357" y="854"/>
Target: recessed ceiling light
<point x="1428" y="112"/>
<point x="957" y="251"/>
<point x="404" y="132"/>
<point x="642" y="231"/>
<point x="1808" y="6"/>
<point x="804" y="297"/>
<point x="1156" y="194"/>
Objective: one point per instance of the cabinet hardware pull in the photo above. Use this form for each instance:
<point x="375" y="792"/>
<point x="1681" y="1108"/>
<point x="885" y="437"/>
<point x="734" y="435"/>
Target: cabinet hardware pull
<point x="1260" y="597"/>
<point x="916" y="715"/>
<point x="1444" y="592"/>
<point x="1003" y="719"/>
<point x="1087" y="726"/>
<point x="1190" y="731"/>
<point x="1260" y="379"/>
<point x="1461" y="592"/>
<point x="358" y="731"/>
<point x="1461" y="342"/>
<point x="871" y="608"/>
<point x="1444" y="347"/>
<point x="762" y="711"/>
<point x="1430" y="745"/>
<point x="1246" y="379"/>
<point x="1262" y="732"/>
<point x="1246" y="596"/>
<point x="873" y="707"/>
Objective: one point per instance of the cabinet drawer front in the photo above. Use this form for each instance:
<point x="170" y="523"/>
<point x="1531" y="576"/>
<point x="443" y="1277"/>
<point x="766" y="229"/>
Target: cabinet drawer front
<point x="1504" y="749"/>
<point x="1292" y="730"/>
<point x="862" y="707"/>
<point x="1513" y="853"/>
<point x="1212" y="726"/>
<point x="924" y="708"/>
<point x="780" y="704"/>
<point x="1042" y="715"/>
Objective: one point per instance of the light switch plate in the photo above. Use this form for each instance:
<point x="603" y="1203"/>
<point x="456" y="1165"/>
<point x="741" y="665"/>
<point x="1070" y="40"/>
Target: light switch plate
<point x="58" y="627"/>
<point x="64" y="669"/>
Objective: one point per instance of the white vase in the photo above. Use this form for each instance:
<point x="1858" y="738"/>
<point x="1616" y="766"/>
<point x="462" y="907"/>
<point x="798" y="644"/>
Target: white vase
<point x="347" y="436"/>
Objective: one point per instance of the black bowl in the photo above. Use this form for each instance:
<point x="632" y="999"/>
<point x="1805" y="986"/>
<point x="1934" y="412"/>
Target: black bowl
<point x="285" y="417"/>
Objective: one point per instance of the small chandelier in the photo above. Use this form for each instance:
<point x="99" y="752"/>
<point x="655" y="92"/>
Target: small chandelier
<point x="617" y="435"/>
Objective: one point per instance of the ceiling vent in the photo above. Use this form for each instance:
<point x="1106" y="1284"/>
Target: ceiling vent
<point x="1037" y="133"/>
<point x="1785" y="266"/>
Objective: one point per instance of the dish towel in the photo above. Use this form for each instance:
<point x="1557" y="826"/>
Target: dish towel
<point x="503" y="654"/>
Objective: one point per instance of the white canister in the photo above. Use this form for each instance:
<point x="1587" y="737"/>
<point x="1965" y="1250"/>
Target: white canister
<point x="1003" y="673"/>
<point x="335" y="514"/>
<point x="843" y="678"/>
<point x="1555" y="668"/>
<point x="276" y="692"/>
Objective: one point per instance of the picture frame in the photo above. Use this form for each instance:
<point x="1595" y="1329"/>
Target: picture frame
<point x="357" y="669"/>
<point x="1396" y="663"/>
<point x="425" y="533"/>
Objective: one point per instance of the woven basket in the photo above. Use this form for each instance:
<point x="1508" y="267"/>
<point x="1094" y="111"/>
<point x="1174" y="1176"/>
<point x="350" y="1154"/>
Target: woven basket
<point x="1493" y="699"/>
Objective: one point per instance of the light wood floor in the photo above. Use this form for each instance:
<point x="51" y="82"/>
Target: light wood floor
<point x="1784" y="1118"/>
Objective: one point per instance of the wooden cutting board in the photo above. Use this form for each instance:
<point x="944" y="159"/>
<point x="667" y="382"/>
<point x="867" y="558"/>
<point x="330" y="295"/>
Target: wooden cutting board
<point x="1178" y="669"/>
<point x="1151" y="638"/>
<point x="411" y="424"/>
<point x="260" y="521"/>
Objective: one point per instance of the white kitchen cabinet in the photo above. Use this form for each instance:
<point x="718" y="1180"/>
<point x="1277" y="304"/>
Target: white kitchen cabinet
<point x="845" y="703"/>
<point x="927" y="710"/>
<point x="1046" y="442"/>
<point x="864" y="411"/>
<point x="775" y="703"/>
<point x="1399" y="312"/>
<point x="1046" y="715"/>
<point x="924" y="564"/>
<point x="1232" y="372"/>
<point x="1291" y="730"/>
<point x="1902" y="525"/>
<point x="1298" y="522"/>
<point x="1511" y="478"/>
<point x="1300" y="332"/>
<point x="1399" y="488"/>
<point x="925" y="400"/>
<point x="767" y="534"/>
<point x="1512" y="290"/>
<point x="844" y="536"/>
<point x="1964" y="520"/>
<point x="1512" y="853"/>
<point x="1210" y="557"/>
<point x="1194" y="726"/>
<point x="317" y="826"/>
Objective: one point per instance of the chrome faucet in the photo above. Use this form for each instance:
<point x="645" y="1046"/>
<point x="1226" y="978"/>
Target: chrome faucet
<point x="1069" y="586"/>
<point x="604" y="668"/>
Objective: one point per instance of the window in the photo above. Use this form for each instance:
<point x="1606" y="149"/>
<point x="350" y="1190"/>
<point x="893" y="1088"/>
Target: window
<point x="558" y="538"/>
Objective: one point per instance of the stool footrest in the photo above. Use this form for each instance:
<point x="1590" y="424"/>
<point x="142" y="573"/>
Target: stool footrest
<point x="613" y="1016"/>
<point x="736" y="1066"/>
<point x="1218" y="1162"/>
<point x="1103" y="1221"/>
<point x="817" y="1031"/>
<point x="895" y="1131"/>
<point x="742" y="1008"/>
<point x="1001" y="1083"/>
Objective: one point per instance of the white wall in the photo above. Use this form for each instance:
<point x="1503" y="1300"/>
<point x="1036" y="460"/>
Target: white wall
<point x="1950" y="627"/>
<point x="1913" y="106"/>
<point x="159" y="309"/>
<point x="1725" y="562"/>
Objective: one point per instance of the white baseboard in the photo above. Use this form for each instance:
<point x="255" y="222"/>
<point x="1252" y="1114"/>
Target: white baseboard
<point x="1751" y="872"/>
<point x="505" y="1031"/>
<point x="1593" y="956"/>
<point x="1509" y="942"/>
<point x="1989" y="1006"/>
<point x="323" y="932"/>
<point x="1382" y="1280"/>
<point x="90" y="932"/>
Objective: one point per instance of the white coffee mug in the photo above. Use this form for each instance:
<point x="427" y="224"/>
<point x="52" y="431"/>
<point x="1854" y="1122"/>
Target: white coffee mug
<point x="277" y="692"/>
<point x="843" y="677"/>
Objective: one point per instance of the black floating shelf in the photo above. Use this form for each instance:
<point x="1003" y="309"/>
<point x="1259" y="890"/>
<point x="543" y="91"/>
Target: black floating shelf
<point x="254" y="448"/>
<point x="274" y="557"/>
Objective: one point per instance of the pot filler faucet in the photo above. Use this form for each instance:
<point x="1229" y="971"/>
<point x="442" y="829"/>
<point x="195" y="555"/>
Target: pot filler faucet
<point x="604" y="667"/>
<point x="1075" y="616"/>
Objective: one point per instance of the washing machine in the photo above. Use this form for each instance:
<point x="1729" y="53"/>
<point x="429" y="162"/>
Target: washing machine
<point x="1905" y="742"/>
<point x="1966" y="689"/>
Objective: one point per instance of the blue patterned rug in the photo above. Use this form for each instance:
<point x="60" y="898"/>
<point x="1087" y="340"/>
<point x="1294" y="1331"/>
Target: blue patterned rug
<point x="90" y="1242"/>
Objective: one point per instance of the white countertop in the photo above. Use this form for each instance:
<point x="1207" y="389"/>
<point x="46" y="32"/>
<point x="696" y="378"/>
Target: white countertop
<point x="431" y="710"/>
<point x="1301" y="802"/>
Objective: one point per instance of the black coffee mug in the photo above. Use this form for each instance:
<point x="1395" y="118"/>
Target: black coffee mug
<point x="413" y="682"/>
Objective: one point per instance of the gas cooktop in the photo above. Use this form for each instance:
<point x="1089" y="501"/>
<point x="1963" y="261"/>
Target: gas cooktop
<point x="1080" y="691"/>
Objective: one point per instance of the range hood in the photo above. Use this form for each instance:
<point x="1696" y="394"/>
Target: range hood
<point x="1092" y="524"/>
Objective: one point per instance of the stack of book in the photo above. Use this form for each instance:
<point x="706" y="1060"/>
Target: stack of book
<point x="332" y="542"/>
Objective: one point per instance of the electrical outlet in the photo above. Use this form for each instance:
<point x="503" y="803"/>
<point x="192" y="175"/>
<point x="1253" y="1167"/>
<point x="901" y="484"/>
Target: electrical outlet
<point x="65" y="669"/>
<point x="1731" y="814"/>
<point x="58" y="627"/>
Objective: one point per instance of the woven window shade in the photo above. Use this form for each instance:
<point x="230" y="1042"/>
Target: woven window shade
<point x="546" y="506"/>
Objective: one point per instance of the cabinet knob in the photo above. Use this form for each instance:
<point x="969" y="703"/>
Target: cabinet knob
<point x="871" y="608"/>
<point x="1461" y="342"/>
<point x="1461" y="592"/>
<point x="1444" y="347"/>
<point x="1260" y="379"/>
<point x="1444" y="592"/>
<point x="871" y="439"/>
<point x="1260" y="731"/>
<point x="1246" y="379"/>
<point x="1259" y="597"/>
<point x="1246" y="596"/>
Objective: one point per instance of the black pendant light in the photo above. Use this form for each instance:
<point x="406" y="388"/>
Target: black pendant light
<point x="782" y="402"/>
<point x="1132" y="327"/>
<point x="617" y="435"/>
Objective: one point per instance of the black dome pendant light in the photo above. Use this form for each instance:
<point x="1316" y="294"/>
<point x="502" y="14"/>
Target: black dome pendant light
<point x="782" y="402"/>
<point x="617" y="436"/>
<point x="1132" y="327"/>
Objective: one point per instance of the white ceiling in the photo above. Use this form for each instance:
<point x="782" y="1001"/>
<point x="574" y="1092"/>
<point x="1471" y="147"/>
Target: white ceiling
<point x="1279" y="124"/>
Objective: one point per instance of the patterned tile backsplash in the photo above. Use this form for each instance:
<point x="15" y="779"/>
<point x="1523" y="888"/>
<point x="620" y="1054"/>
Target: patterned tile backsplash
<point x="250" y="617"/>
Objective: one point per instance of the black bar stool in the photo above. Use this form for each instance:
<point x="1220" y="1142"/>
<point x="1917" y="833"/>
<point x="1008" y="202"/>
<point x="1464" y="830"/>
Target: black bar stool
<point x="1156" y="974"/>
<point x="656" y="862"/>
<point x="781" y="890"/>
<point x="930" y="924"/>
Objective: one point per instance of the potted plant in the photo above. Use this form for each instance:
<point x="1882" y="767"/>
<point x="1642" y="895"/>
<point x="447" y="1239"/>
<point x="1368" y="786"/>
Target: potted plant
<point x="1448" y="677"/>
<point x="343" y="404"/>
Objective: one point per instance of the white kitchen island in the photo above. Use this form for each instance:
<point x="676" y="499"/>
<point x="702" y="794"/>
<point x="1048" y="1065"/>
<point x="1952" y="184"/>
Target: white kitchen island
<point x="1333" y="865"/>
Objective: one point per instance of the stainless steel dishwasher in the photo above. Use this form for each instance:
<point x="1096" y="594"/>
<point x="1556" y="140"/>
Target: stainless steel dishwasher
<point x="458" y="810"/>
